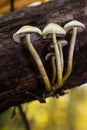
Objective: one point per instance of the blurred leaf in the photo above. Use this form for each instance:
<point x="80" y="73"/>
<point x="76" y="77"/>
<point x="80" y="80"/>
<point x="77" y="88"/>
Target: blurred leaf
<point x="18" y="4"/>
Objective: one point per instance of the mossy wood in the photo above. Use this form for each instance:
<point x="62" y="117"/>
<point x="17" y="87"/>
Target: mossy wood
<point x="20" y="80"/>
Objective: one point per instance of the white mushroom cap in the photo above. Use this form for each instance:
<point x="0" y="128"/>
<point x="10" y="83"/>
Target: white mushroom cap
<point x="72" y="24"/>
<point x="63" y="42"/>
<point x="25" y="30"/>
<point x="53" y="28"/>
<point x="50" y="54"/>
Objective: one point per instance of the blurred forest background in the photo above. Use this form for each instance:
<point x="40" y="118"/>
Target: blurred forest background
<point x="68" y="112"/>
<point x="5" y="5"/>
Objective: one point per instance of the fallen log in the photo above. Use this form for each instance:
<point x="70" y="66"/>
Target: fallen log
<point x="20" y="80"/>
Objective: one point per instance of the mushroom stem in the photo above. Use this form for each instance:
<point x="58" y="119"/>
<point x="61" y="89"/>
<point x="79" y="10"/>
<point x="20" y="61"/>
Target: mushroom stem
<point x="70" y="57"/>
<point x="61" y="56"/>
<point x="52" y="56"/>
<point x="58" y="62"/>
<point x="53" y="70"/>
<point x="38" y="62"/>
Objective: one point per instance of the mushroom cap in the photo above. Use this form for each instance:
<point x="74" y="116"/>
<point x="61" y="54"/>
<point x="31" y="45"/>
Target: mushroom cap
<point x="25" y="30"/>
<point x="74" y="23"/>
<point x="63" y="42"/>
<point x="50" y="54"/>
<point x="53" y="28"/>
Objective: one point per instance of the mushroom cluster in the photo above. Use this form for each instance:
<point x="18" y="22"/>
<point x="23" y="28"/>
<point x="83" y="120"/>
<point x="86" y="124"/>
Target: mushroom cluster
<point x="56" y="32"/>
<point x="24" y="34"/>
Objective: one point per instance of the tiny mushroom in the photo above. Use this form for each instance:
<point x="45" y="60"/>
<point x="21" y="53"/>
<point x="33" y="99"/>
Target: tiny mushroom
<point x="25" y="32"/>
<point x="75" y="26"/>
<point x="55" y="30"/>
<point x="52" y="56"/>
<point x="61" y="44"/>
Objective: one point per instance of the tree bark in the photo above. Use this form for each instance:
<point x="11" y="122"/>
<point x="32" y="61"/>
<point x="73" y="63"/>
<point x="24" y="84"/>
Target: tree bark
<point x="20" y="80"/>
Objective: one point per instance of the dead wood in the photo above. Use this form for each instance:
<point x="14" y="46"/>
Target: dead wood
<point x="20" y="80"/>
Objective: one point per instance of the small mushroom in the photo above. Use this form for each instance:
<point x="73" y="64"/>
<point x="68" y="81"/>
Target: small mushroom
<point x="61" y="44"/>
<point x="75" y="26"/>
<point x="62" y="41"/>
<point x="49" y="55"/>
<point x="25" y="32"/>
<point x="52" y="56"/>
<point x="55" y="29"/>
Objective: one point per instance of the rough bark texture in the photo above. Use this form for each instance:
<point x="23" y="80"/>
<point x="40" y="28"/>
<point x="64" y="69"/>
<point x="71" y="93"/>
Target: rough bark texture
<point x="20" y="79"/>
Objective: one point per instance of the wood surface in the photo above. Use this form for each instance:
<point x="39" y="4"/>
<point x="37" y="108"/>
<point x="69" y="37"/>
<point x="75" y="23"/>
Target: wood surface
<point x="20" y="80"/>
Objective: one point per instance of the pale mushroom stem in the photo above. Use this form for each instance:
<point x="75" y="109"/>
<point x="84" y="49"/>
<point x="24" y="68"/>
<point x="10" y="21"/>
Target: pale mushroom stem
<point x="70" y="57"/>
<point x="53" y="70"/>
<point x="39" y="63"/>
<point x="61" y="56"/>
<point x="58" y="62"/>
<point x="52" y="55"/>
